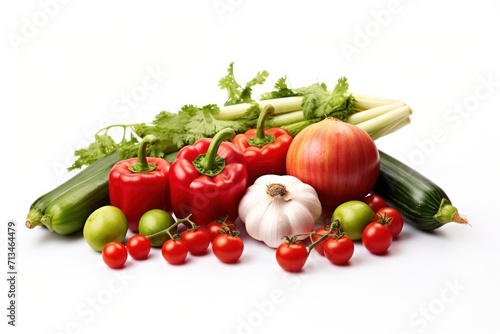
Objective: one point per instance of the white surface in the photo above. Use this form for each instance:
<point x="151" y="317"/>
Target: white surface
<point x="68" y="77"/>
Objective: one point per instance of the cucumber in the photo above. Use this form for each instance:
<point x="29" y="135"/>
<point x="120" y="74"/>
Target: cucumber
<point x="38" y="206"/>
<point x="65" y="209"/>
<point x="421" y="202"/>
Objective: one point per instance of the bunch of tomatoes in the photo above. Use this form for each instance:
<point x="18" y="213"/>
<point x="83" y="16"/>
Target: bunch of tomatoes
<point x="377" y="235"/>
<point x="334" y="241"/>
<point x="227" y="246"/>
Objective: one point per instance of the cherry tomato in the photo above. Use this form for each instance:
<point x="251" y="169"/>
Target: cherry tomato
<point x="227" y="248"/>
<point x="114" y="254"/>
<point x="291" y="256"/>
<point x="216" y="226"/>
<point x="174" y="251"/>
<point x="375" y="202"/>
<point x="392" y="218"/>
<point x="197" y="240"/>
<point x="377" y="238"/>
<point x="138" y="247"/>
<point x="339" y="250"/>
<point x="317" y="235"/>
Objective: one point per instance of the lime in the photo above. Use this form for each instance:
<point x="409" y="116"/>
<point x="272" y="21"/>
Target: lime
<point x="104" y="225"/>
<point x="154" y="221"/>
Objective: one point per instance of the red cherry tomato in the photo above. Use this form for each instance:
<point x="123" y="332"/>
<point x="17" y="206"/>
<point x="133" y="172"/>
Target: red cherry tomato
<point x="197" y="240"/>
<point x="114" y="254"/>
<point x="138" y="247"/>
<point x="216" y="226"/>
<point x="227" y="248"/>
<point x="174" y="251"/>
<point x="377" y="238"/>
<point x="339" y="250"/>
<point x="291" y="256"/>
<point x="392" y="218"/>
<point x="375" y="202"/>
<point x="316" y="236"/>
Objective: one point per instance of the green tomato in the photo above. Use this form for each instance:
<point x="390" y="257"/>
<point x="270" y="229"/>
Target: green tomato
<point x="353" y="216"/>
<point x="104" y="225"/>
<point x="154" y="221"/>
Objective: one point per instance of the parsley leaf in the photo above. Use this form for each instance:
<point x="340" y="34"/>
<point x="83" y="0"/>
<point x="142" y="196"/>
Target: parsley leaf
<point x="101" y="147"/>
<point x="202" y="122"/>
<point x="319" y="102"/>
<point x="281" y="90"/>
<point x="174" y="130"/>
<point x="237" y="94"/>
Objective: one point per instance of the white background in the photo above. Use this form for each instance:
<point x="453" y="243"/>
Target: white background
<point x="68" y="64"/>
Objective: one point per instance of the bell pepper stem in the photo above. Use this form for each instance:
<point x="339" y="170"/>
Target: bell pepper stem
<point x="210" y="163"/>
<point x="142" y="164"/>
<point x="261" y="138"/>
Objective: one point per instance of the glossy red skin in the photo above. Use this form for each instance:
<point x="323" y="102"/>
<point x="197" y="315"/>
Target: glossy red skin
<point x="197" y="240"/>
<point x="397" y="221"/>
<point x="215" y="228"/>
<point x="377" y="238"/>
<point x="227" y="248"/>
<point x="291" y="257"/>
<point x="339" y="250"/>
<point x="174" y="251"/>
<point x="114" y="254"/>
<point x="207" y="198"/>
<point x="337" y="159"/>
<point x="267" y="159"/>
<point x="137" y="193"/>
<point x="320" y="246"/>
<point x="138" y="247"/>
<point x="375" y="202"/>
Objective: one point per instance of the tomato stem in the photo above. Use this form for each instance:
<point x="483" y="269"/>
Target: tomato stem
<point x="334" y="226"/>
<point x="226" y="229"/>
<point x="174" y="225"/>
<point x="384" y="220"/>
<point x="312" y="245"/>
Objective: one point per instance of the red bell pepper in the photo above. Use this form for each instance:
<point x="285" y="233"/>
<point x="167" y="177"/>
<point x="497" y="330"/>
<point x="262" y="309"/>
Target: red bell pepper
<point x="264" y="150"/>
<point x="208" y="179"/>
<point x="137" y="185"/>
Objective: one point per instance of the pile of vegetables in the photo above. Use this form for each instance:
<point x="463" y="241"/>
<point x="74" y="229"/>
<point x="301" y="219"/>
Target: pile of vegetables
<point x="277" y="166"/>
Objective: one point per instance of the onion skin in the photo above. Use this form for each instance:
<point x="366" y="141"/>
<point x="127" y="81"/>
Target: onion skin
<point x="339" y="160"/>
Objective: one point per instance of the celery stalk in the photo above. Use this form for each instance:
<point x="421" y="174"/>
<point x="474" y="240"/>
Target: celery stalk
<point x="281" y="106"/>
<point x="367" y="114"/>
<point x="377" y="122"/>
<point x="364" y="102"/>
<point x="382" y="125"/>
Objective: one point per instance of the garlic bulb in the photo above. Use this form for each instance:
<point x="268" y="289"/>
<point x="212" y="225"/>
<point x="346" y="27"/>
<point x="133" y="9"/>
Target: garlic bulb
<point x="276" y="206"/>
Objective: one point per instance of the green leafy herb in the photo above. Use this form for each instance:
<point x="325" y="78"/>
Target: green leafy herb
<point x="102" y="146"/>
<point x="236" y="93"/>
<point x="281" y="90"/>
<point x="319" y="102"/>
<point x="294" y="110"/>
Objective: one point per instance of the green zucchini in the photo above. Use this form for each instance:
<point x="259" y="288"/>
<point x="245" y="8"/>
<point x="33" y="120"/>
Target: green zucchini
<point x="421" y="202"/>
<point x="65" y="209"/>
